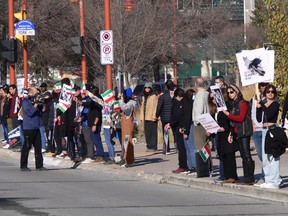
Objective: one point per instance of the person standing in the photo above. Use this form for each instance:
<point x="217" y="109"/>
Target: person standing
<point x="31" y="125"/>
<point x="164" y="110"/>
<point x="5" y="112"/>
<point x="148" y="116"/>
<point x="200" y="106"/>
<point x="220" y="82"/>
<point x="127" y="124"/>
<point x="269" y="108"/>
<point x="14" y="106"/>
<point x="240" y="115"/>
<point x="257" y="125"/>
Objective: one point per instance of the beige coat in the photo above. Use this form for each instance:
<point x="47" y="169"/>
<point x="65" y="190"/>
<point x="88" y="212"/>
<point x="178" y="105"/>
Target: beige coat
<point x="151" y="107"/>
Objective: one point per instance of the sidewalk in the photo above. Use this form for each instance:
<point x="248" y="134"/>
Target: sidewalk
<point x="158" y="167"/>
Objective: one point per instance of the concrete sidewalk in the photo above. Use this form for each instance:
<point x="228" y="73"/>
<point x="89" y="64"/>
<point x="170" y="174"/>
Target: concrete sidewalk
<point x="158" y="167"/>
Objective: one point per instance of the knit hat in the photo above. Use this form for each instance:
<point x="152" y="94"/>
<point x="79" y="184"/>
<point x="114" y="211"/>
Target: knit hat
<point x="128" y="92"/>
<point x="235" y="88"/>
<point x="148" y="84"/>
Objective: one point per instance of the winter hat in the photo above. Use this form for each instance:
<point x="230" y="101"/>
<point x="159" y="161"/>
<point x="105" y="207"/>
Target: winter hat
<point x="128" y="92"/>
<point x="148" y="84"/>
<point x="235" y="88"/>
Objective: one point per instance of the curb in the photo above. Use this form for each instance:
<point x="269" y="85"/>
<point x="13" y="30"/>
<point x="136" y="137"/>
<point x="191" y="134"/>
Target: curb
<point x="278" y="195"/>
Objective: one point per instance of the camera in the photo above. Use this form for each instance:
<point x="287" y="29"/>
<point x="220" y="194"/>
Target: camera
<point x="38" y="99"/>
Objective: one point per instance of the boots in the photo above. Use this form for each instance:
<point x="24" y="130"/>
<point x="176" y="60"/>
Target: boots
<point x="248" y="169"/>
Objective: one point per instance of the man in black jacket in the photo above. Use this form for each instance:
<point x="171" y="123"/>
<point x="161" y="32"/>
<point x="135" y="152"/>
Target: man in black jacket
<point x="180" y="105"/>
<point x="164" y="111"/>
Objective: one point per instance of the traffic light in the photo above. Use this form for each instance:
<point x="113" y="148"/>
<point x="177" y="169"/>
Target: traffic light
<point x="9" y="50"/>
<point x="18" y="17"/>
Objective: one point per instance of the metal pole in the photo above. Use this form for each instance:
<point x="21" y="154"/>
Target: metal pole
<point x="109" y="83"/>
<point x="175" y="41"/>
<point x="25" y="48"/>
<point x="82" y="34"/>
<point x="11" y="37"/>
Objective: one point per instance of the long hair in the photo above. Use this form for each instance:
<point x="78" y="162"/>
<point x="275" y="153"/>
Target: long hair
<point x="212" y="105"/>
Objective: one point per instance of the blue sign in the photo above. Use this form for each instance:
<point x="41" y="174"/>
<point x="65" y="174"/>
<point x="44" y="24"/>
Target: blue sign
<point x="25" y="27"/>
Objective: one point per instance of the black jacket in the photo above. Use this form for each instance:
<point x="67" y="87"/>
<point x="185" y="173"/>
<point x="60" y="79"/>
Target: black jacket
<point x="175" y="113"/>
<point x="164" y="107"/>
<point x="276" y="141"/>
<point x="95" y="111"/>
<point x="185" y="117"/>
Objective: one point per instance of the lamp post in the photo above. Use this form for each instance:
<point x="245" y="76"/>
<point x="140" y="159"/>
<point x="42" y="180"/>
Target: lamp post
<point x="25" y="48"/>
<point x="107" y="20"/>
<point x="11" y="37"/>
<point x="174" y="42"/>
<point x="82" y="35"/>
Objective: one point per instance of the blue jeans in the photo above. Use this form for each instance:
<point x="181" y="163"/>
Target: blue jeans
<point x="107" y="136"/>
<point x="98" y="141"/>
<point x="271" y="165"/>
<point x="5" y="132"/>
<point x="257" y="138"/>
<point x="43" y="138"/>
<point x="190" y="149"/>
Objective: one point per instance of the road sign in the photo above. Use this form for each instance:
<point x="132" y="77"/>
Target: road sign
<point x="106" y="37"/>
<point x="25" y="27"/>
<point x="107" y="56"/>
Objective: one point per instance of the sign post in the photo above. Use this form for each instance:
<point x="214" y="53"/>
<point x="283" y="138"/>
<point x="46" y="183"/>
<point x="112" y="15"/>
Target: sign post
<point x="25" y="27"/>
<point x="106" y="47"/>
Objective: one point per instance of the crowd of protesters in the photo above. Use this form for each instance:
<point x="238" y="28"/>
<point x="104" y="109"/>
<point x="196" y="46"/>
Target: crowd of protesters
<point x="67" y="122"/>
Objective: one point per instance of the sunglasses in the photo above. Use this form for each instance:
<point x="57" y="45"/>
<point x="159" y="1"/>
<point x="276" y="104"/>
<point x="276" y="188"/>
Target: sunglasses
<point x="230" y="92"/>
<point x="273" y="92"/>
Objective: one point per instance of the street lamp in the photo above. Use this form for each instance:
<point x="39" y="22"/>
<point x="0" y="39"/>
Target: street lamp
<point x="128" y="5"/>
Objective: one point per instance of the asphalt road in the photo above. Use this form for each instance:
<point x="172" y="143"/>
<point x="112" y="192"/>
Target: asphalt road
<point x="67" y="192"/>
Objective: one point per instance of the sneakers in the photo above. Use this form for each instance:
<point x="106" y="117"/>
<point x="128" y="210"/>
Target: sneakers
<point x="62" y="155"/>
<point x="179" y="170"/>
<point x="259" y="182"/>
<point x="268" y="186"/>
<point x="6" y="146"/>
<point x="218" y="181"/>
<point x="43" y="150"/>
<point x="99" y="160"/>
<point x="88" y="160"/>
<point x="192" y="171"/>
<point x="109" y="162"/>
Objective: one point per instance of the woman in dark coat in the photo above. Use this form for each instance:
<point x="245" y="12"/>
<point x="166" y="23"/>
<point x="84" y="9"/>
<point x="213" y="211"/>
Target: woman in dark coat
<point x="5" y="107"/>
<point x="225" y="148"/>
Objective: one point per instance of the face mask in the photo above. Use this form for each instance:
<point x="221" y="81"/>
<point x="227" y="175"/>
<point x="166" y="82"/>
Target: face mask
<point x="218" y="84"/>
<point x="193" y="97"/>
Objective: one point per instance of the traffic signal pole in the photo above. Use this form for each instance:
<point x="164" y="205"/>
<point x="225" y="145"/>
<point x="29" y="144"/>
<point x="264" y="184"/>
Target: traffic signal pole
<point x="25" y="48"/>
<point x="109" y="82"/>
<point x="82" y="34"/>
<point x="11" y="37"/>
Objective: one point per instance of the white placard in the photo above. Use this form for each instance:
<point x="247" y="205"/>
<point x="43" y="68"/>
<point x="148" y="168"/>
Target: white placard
<point x="106" y="37"/>
<point x="217" y="94"/>
<point x="208" y="122"/>
<point x="256" y="66"/>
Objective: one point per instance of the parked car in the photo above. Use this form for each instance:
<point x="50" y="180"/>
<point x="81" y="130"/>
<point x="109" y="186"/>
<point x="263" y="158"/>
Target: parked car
<point x="158" y="88"/>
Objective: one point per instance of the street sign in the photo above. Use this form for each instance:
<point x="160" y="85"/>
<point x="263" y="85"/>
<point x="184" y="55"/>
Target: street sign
<point x="106" y="54"/>
<point x="25" y="27"/>
<point x="106" y="37"/>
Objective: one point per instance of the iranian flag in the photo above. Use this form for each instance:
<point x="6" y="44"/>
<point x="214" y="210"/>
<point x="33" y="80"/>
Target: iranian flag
<point x="57" y="87"/>
<point x="205" y="152"/>
<point x="117" y="106"/>
<point x="63" y="105"/>
<point x="108" y="96"/>
<point x="72" y="83"/>
<point x="83" y="89"/>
